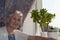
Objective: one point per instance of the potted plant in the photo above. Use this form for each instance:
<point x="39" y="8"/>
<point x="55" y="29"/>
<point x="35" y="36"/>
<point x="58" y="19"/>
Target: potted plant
<point x="42" y="17"/>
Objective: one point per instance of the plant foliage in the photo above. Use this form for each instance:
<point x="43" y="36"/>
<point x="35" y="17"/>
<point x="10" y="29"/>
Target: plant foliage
<point x="42" y="17"/>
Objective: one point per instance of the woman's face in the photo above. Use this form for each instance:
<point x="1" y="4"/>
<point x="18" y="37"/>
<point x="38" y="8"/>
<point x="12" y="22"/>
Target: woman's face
<point x="15" y="21"/>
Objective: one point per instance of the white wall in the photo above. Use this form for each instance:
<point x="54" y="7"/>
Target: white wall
<point x="29" y="26"/>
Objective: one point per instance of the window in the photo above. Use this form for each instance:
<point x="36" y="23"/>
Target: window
<point x="53" y="7"/>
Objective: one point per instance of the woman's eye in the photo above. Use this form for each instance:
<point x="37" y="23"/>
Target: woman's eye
<point x="14" y="18"/>
<point x="18" y="19"/>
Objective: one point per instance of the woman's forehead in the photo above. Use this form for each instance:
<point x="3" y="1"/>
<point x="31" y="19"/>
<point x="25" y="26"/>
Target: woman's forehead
<point x="16" y="15"/>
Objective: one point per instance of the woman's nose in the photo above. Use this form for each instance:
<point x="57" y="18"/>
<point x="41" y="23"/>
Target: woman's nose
<point x="16" y="21"/>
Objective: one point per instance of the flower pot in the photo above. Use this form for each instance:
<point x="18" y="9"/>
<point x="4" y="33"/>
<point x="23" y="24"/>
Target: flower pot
<point x="53" y="35"/>
<point x="44" y="34"/>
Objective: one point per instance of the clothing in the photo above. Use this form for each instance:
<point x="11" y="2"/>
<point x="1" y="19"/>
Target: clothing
<point x="11" y="37"/>
<point x="18" y="35"/>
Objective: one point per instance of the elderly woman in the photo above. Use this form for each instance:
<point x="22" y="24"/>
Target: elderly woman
<point x="14" y="22"/>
